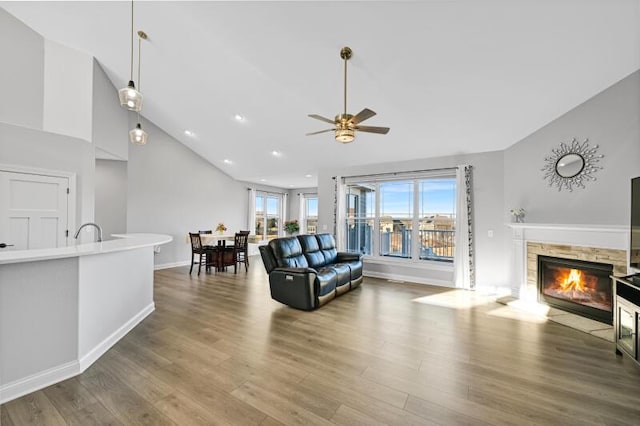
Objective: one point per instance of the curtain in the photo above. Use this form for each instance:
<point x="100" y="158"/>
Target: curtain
<point x="464" y="269"/>
<point x="301" y="213"/>
<point x="251" y="211"/>
<point x="283" y="214"/>
<point x="339" y="212"/>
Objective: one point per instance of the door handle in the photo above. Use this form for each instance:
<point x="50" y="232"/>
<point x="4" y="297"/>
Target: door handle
<point x="3" y="245"/>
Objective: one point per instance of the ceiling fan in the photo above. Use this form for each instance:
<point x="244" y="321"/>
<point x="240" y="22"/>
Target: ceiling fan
<point x="347" y="124"/>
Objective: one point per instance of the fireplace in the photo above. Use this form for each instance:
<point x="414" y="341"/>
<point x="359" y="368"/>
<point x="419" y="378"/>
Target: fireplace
<point x="576" y="286"/>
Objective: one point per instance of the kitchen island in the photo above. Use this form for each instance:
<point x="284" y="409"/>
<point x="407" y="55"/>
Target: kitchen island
<point x="62" y="308"/>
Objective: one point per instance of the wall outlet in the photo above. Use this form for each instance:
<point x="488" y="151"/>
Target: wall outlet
<point x="490" y="233"/>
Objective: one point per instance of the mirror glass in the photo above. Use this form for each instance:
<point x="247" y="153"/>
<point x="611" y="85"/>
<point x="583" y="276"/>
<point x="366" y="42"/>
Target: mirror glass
<point x="570" y="165"/>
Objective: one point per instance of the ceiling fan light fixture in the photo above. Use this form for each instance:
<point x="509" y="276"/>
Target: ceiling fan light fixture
<point x="345" y="135"/>
<point x="130" y="98"/>
<point x="137" y="136"/>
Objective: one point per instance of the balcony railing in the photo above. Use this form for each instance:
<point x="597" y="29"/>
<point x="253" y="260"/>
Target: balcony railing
<point x="434" y="244"/>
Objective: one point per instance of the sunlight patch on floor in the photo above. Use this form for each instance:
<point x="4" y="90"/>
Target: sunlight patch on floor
<point x="456" y="299"/>
<point x="522" y="310"/>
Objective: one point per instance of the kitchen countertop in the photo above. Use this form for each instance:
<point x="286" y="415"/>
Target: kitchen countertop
<point x="120" y="243"/>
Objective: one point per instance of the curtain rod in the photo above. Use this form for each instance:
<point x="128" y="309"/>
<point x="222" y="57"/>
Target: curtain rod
<point x="267" y="192"/>
<point x="307" y="193"/>
<point x="398" y="173"/>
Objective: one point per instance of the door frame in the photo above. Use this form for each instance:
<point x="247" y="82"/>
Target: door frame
<point x="71" y="197"/>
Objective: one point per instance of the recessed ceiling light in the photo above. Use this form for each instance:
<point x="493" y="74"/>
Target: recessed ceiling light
<point x="227" y="161"/>
<point x="276" y="153"/>
<point x="290" y="186"/>
<point x="308" y="176"/>
<point x="238" y="117"/>
<point x="188" y="132"/>
<point x="263" y="180"/>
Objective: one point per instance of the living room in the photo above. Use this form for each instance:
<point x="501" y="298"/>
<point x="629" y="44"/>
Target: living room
<point x="490" y="85"/>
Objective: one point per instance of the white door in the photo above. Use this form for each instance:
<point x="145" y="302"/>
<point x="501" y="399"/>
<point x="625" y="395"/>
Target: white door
<point x="33" y="211"/>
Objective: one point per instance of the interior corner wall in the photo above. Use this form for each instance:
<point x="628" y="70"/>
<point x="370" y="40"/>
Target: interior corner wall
<point x="491" y="257"/>
<point x="294" y="202"/>
<point x="111" y="196"/>
<point x="21" y="73"/>
<point x="611" y="119"/>
<point x="110" y="131"/>
<point x="172" y="190"/>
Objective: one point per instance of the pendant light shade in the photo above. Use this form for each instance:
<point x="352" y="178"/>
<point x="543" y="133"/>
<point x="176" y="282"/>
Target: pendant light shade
<point x="130" y="98"/>
<point x="138" y="136"/>
<point x="345" y="135"/>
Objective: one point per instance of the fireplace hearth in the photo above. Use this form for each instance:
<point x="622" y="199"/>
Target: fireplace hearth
<point x="577" y="286"/>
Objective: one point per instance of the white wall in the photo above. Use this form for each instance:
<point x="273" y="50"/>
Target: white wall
<point x="172" y="190"/>
<point x="610" y="119"/>
<point x="488" y="214"/>
<point x="110" y="131"/>
<point x="21" y="73"/>
<point x="68" y="87"/>
<point x="111" y="196"/>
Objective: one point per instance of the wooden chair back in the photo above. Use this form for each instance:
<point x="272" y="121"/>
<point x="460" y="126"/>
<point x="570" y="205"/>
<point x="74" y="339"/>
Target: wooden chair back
<point x="196" y="242"/>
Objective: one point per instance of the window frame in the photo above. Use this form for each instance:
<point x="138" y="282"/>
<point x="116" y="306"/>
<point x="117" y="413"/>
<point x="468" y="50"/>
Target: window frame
<point x="415" y="260"/>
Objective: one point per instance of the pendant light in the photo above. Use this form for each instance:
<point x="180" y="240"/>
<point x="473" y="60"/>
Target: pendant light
<point x="138" y="136"/>
<point x="130" y="98"/>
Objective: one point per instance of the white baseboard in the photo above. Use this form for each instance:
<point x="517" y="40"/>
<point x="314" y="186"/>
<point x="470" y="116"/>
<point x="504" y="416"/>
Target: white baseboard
<point x="32" y="383"/>
<point x="102" y="347"/>
<point x="56" y="374"/>
<point x="408" y="278"/>
<point x="171" y="265"/>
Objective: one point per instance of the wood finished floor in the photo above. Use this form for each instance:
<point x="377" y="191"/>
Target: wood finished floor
<point x="218" y="350"/>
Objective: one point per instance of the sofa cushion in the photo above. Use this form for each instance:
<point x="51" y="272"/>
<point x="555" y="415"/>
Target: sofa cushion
<point x="288" y="253"/>
<point x="311" y="251"/>
<point x="326" y="280"/>
<point x="356" y="269"/>
<point x="343" y="273"/>
<point x="328" y="247"/>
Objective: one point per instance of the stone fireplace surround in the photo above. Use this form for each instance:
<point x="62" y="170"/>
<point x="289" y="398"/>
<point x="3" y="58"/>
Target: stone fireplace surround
<point x="594" y="243"/>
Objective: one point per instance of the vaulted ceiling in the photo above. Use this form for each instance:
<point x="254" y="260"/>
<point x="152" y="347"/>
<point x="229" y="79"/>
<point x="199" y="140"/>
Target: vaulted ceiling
<point x="448" y="77"/>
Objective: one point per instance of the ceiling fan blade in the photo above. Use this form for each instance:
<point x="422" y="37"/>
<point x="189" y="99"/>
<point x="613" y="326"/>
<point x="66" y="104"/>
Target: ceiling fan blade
<point x="373" y="129"/>
<point x="321" y="118"/>
<point x="321" y="131"/>
<point x="362" y="115"/>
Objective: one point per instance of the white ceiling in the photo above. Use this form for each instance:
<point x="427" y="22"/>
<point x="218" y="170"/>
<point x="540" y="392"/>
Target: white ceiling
<point x="448" y="77"/>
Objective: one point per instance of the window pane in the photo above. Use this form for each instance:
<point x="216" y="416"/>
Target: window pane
<point x="311" y="215"/>
<point x="437" y="219"/>
<point x="361" y="201"/>
<point x="273" y="206"/>
<point x="396" y="218"/>
<point x="359" y="235"/>
<point x="260" y="215"/>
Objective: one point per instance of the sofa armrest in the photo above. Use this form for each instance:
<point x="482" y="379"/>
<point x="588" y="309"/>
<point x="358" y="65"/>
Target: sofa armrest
<point x="349" y="257"/>
<point x="295" y="287"/>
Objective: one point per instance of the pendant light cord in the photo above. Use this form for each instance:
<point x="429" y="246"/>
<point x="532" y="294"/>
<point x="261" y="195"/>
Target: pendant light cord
<point x="139" y="56"/>
<point x="345" y="86"/>
<point x="131" y="74"/>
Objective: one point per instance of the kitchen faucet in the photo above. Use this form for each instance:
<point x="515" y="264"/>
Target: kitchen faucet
<point x="90" y="224"/>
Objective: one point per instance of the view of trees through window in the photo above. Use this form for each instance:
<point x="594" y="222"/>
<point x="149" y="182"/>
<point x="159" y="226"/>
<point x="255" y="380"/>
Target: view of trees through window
<point x="310" y="225"/>
<point x="267" y="216"/>
<point x="413" y="218"/>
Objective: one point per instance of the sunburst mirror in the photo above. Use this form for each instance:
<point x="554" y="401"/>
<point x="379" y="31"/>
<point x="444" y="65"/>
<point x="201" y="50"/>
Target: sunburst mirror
<point x="572" y="165"/>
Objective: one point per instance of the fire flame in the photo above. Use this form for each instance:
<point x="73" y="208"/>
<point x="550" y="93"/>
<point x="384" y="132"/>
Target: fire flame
<point x="573" y="281"/>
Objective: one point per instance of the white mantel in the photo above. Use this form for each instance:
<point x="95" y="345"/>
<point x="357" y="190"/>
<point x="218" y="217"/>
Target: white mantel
<point x="600" y="236"/>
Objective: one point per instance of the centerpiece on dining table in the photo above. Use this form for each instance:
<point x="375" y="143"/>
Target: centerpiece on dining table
<point x="220" y="229"/>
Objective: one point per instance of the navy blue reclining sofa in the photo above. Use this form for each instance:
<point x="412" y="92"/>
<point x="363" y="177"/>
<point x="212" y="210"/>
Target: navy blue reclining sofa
<point x="307" y="271"/>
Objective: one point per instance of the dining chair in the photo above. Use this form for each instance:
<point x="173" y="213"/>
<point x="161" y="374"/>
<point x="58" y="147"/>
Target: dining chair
<point x="240" y="250"/>
<point x="208" y="231"/>
<point x="205" y="253"/>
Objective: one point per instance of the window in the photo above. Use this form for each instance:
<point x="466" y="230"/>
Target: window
<point x="310" y="218"/>
<point x="411" y="218"/>
<point x="267" y="219"/>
